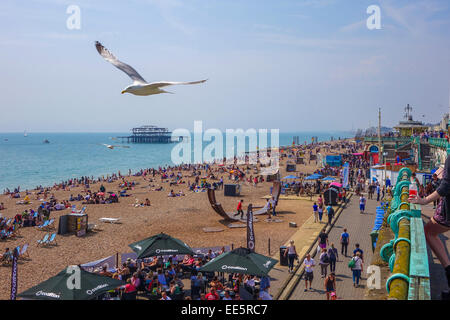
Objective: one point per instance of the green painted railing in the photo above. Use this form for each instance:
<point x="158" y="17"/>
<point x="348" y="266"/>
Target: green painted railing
<point x="406" y="253"/>
<point x="439" y="142"/>
<point x="387" y="139"/>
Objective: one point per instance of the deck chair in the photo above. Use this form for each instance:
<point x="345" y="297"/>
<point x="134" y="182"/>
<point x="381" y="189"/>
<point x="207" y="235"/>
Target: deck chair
<point x="6" y="261"/>
<point x="45" y="224"/>
<point x="24" y="253"/>
<point x="74" y="209"/>
<point x="51" y="224"/>
<point x="52" y="240"/>
<point x="43" y="241"/>
<point x="110" y="220"/>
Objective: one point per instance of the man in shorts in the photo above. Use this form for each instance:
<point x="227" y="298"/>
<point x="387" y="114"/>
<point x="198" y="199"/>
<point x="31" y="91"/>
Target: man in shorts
<point x="323" y="239"/>
<point x="362" y="204"/>
<point x="309" y="275"/>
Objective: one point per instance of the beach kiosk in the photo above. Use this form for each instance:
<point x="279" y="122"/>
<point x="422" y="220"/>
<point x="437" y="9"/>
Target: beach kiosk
<point x="291" y="167"/>
<point x="74" y="223"/>
<point x="232" y="190"/>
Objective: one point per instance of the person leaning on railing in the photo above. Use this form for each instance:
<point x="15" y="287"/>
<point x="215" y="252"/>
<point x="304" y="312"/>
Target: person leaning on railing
<point x="440" y="222"/>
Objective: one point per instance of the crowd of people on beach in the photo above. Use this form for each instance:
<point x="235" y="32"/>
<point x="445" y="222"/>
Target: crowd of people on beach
<point x="161" y="278"/>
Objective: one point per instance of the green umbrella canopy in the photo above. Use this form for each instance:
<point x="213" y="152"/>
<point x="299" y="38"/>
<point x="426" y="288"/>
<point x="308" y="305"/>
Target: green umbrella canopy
<point x="72" y="283"/>
<point x="241" y="260"/>
<point x="160" y="245"/>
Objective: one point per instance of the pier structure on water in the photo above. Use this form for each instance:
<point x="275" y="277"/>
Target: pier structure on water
<point x="150" y="134"/>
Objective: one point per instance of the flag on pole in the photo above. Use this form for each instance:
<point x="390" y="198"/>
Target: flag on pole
<point x="345" y="176"/>
<point x="14" y="275"/>
<point x="250" y="230"/>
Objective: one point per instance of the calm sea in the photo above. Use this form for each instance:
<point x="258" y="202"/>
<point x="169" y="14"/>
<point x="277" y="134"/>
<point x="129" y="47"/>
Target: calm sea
<point x="28" y="162"/>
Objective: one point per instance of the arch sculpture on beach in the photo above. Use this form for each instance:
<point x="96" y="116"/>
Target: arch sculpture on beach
<point x="217" y="207"/>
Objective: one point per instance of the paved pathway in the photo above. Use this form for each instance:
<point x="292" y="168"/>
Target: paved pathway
<point x="359" y="227"/>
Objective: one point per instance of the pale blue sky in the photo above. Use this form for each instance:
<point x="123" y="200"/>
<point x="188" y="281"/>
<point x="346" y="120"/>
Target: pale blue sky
<point x="294" y="65"/>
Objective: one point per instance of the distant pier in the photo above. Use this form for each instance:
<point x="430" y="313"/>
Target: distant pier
<point x="150" y="134"/>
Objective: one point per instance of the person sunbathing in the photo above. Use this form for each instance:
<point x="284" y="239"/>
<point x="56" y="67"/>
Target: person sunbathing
<point x="171" y="194"/>
<point x="147" y="202"/>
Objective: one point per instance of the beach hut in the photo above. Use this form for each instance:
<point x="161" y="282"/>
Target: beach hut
<point x="66" y="286"/>
<point x="160" y="245"/>
<point x="242" y="261"/>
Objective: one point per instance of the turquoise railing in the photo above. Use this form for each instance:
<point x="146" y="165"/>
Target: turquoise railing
<point x="439" y="142"/>
<point x="406" y="254"/>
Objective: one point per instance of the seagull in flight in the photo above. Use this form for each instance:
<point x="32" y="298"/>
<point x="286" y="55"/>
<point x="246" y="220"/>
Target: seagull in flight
<point x="109" y="146"/>
<point x="140" y="87"/>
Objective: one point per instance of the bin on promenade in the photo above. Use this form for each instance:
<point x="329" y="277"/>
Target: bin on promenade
<point x="283" y="259"/>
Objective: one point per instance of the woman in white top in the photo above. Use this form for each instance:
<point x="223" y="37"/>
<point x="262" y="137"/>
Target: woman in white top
<point x="356" y="270"/>
<point x="291" y="254"/>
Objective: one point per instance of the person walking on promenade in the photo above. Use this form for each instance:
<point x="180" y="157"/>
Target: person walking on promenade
<point x="291" y="253"/>
<point x="324" y="261"/>
<point x="362" y="204"/>
<point x="239" y="209"/>
<point x="323" y="240"/>
<point x="330" y="285"/>
<point x="320" y="201"/>
<point x="356" y="265"/>
<point x="358" y="249"/>
<point x="316" y="212"/>
<point x="333" y="255"/>
<point x="320" y="212"/>
<point x="435" y="182"/>
<point x="330" y="213"/>
<point x="309" y="275"/>
<point x="345" y="239"/>
<point x="378" y="192"/>
<point x="440" y="222"/>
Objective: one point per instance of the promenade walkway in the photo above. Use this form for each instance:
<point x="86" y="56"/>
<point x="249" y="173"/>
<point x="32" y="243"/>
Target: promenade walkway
<point x="359" y="227"/>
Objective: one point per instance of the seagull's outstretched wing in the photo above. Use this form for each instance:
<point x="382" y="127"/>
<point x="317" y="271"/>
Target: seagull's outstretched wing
<point x="108" y="56"/>
<point x="120" y="146"/>
<point x="161" y="84"/>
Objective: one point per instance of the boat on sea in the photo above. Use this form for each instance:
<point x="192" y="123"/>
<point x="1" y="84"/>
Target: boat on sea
<point x="25" y="134"/>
